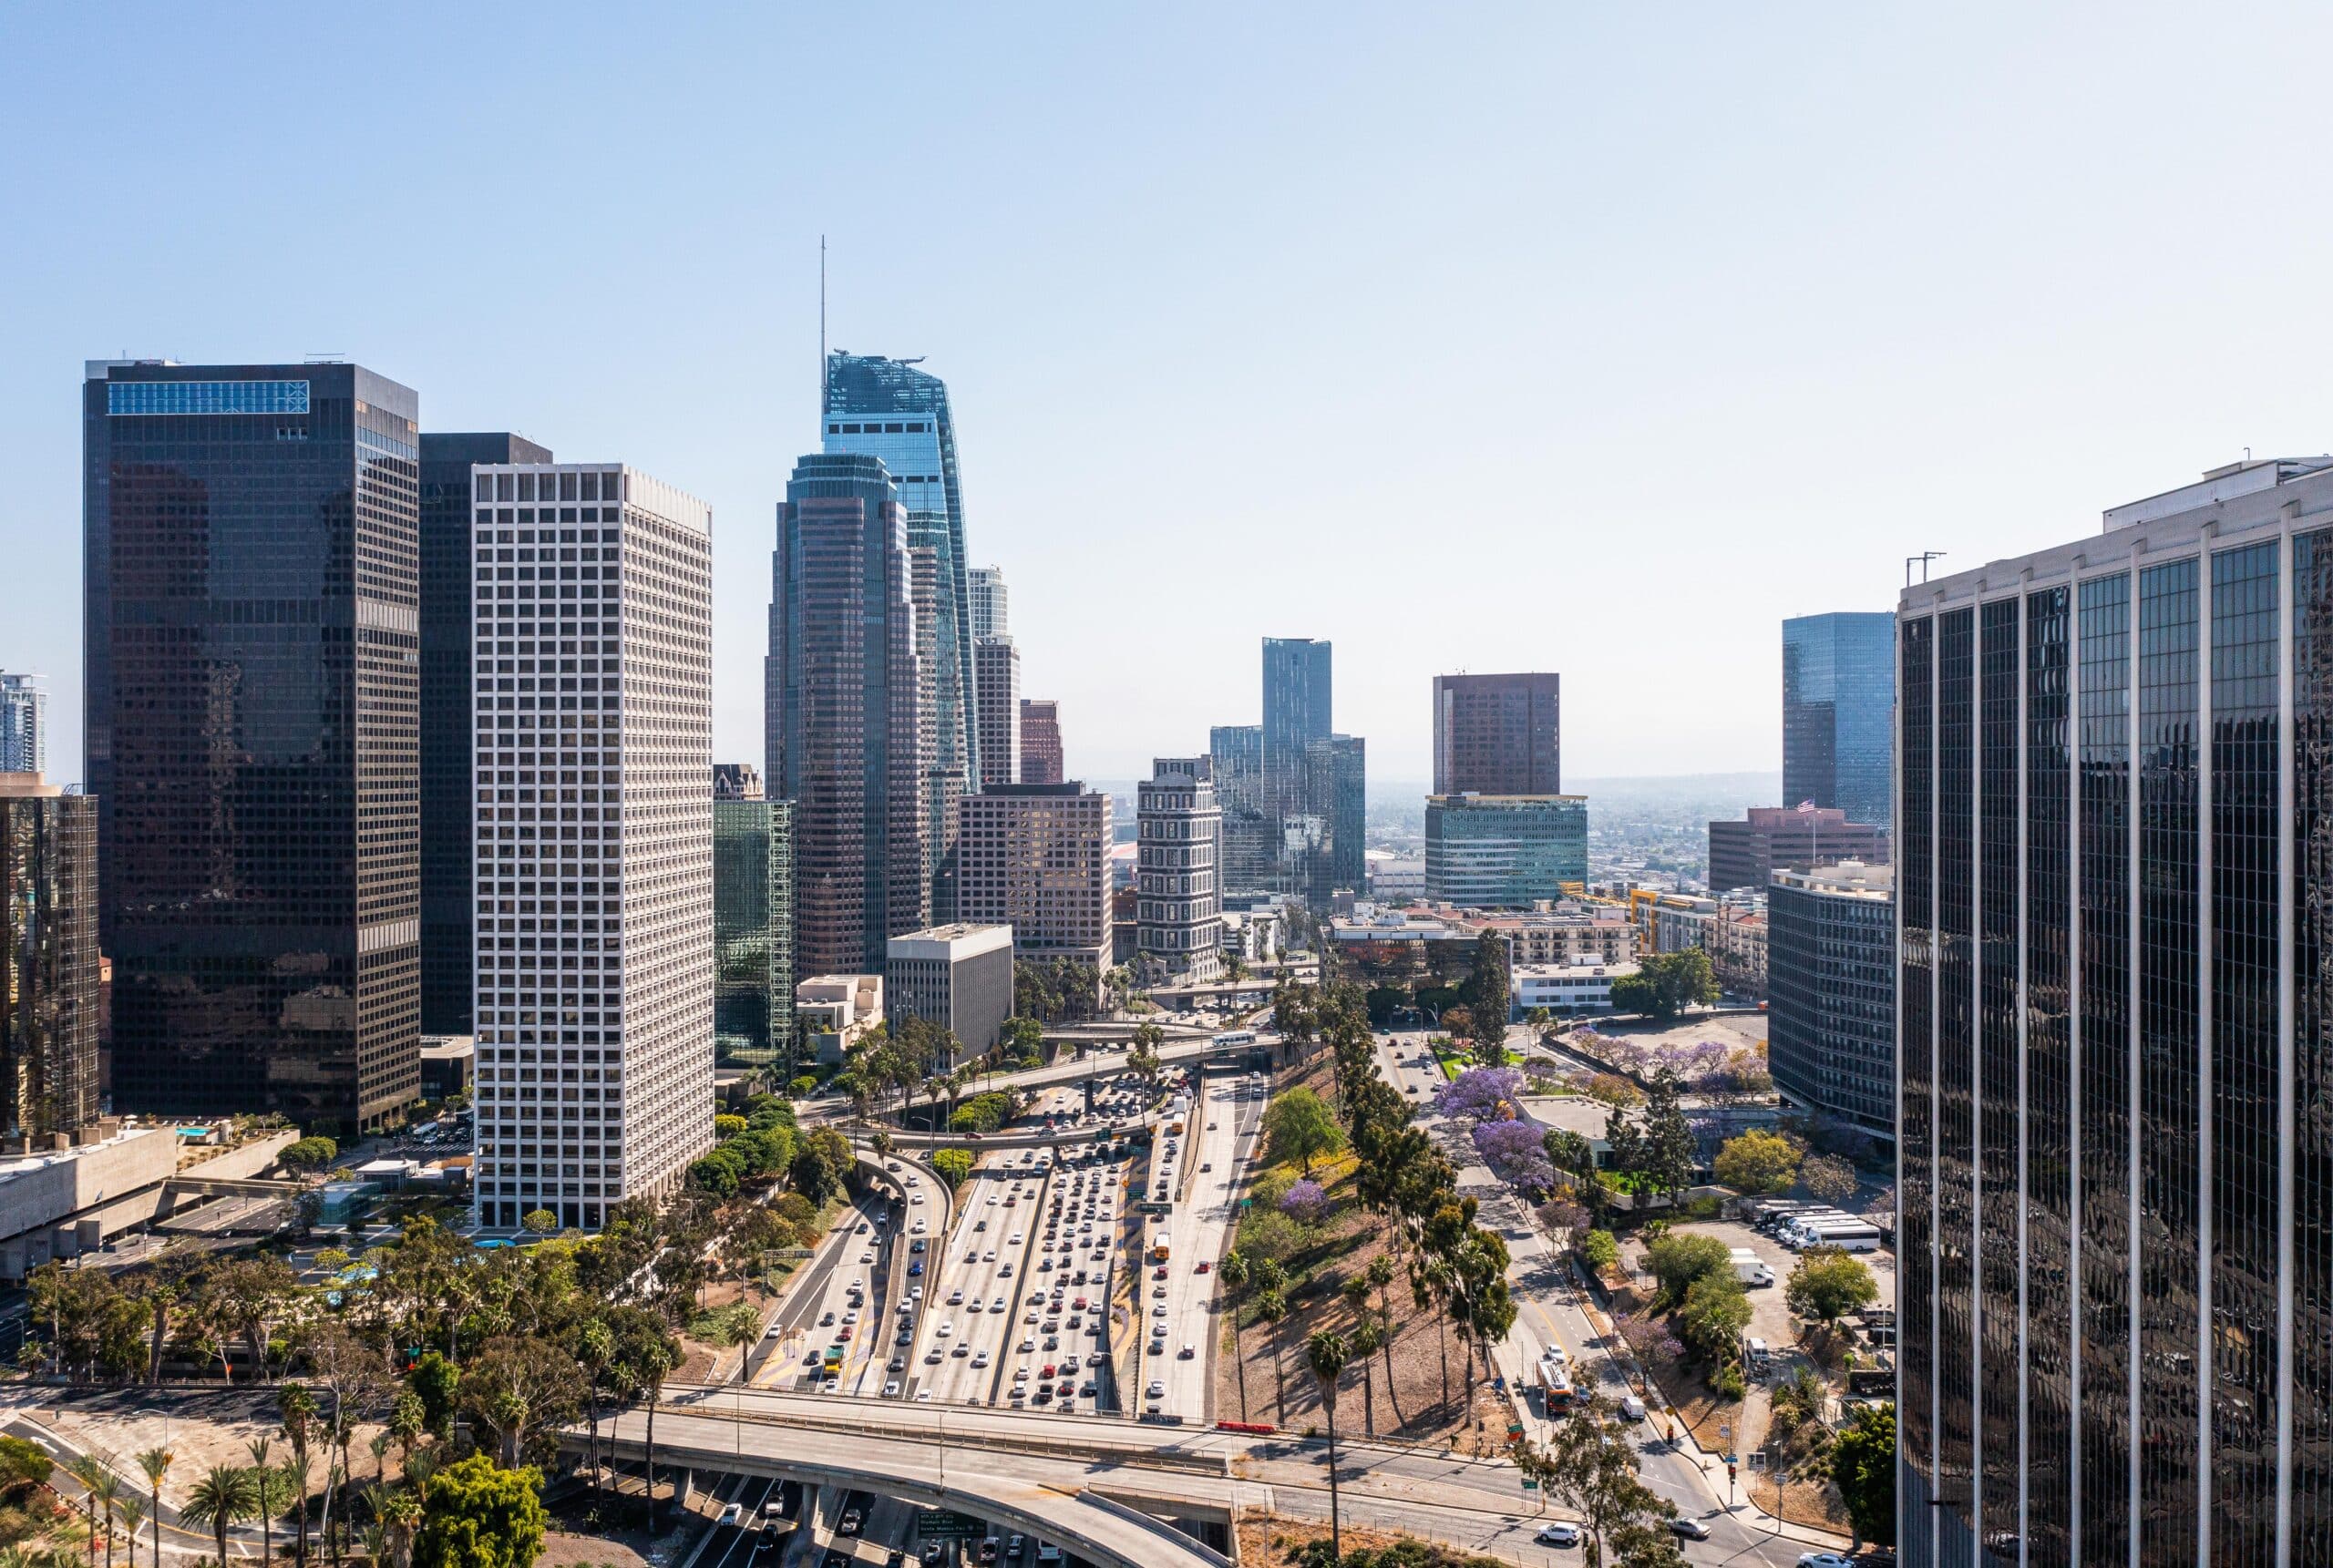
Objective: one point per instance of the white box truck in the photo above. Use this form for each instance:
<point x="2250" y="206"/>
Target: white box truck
<point x="1751" y="1269"/>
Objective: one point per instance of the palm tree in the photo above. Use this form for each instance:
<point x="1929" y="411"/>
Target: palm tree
<point x="399" y="1514"/>
<point x="1329" y="1353"/>
<point x="107" y="1494"/>
<point x="1368" y="1337"/>
<point x="156" y="1464"/>
<point x="298" y="1409"/>
<point x="1234" y="1272"/>
<point x="86" y="1471"/>
<point x="221" y="1497"/>
<point x="130" y="1509"/>
<point x="1271" y="1306"/>
<point x="272" y="1491"/>
<point x="1380" y="1274"/>
<point x="261" y="1448"/>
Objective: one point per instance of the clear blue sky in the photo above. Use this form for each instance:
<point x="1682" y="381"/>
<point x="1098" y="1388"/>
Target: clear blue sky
<point x="1586" y="338"/>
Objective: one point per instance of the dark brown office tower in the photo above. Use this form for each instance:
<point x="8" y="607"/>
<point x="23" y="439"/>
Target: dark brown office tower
<point x="844" y="725"/>
<point x="1497" y="734"/>
<point x="252" y="637"/>
<point x="446" y="698"/>
<point x="1769" y="838"/>
<point x="48" y="957"/>
<point x="1041" y="758"/>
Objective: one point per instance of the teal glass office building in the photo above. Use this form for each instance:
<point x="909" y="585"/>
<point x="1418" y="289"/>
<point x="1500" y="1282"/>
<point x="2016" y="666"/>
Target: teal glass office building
<point x="753" y="932"/>
<point x="1504" y="851"/>
<point x="887" y="408"/>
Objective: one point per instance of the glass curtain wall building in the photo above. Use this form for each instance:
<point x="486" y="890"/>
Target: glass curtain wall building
<point x="2115" y="1039"/>
<point x="1492" y="852"/>
<point x="1297" y="709"/>
<point x="445" y="501"/>
<point x="24" y="724"/>
<point x="251" y="634"/>
<point x="48" y="957"/>
<point x="1498" y="734"/>
<point x="887" y="408"/>
<point x="753" y="934"/>
<point x="1838" y="711"/>
<point x="844" y="726"/>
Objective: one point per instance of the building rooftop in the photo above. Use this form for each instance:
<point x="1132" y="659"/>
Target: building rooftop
<point x="1849" y="878"/>
<point x="959" y="939"/>
<point x="2217" y="484"/>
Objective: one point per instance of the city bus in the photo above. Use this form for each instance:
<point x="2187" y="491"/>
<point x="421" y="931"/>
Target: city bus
<point x="1161" y="1246"/>
<point x="1235" y="1037"/>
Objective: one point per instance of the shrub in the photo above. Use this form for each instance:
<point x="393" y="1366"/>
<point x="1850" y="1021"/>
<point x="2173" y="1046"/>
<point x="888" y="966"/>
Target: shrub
<point x="1600" y="1250"/>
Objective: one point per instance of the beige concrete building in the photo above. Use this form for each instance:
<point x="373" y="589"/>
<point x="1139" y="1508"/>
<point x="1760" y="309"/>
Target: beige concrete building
<point x="1036" y="857"/>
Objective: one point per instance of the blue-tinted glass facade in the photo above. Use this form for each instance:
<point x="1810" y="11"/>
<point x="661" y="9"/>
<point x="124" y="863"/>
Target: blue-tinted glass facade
<point x="887" y="408"/>
<point x="753" y="934"/>
<point x="1838" y="712"/>
<point x="1297" y="708"/>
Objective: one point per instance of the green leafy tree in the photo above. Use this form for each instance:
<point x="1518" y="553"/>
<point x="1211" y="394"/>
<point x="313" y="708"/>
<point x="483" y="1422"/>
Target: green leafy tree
<point x="1600" y="1250"/>
<point x="1827" y="1284"/>
<point x="1624" y="1144"/>
<point x="1757" y="1161"/>
<point x="309" y="1154"/>
<point x="1677" y="1261"/>
<point x="435" y="1381"/>
<point x="951" y="1165"/>
<point x="1298" y="1127"/>
<point x="726" y="1126"/>
<point x="1862" y="1467"/>
<point x="475" y="1516"/>
<point x="1716" y="1311"/>
<point x="1665" y="984"/>
<point x="23" y="1466"/>
<point x="1487" y="1000"/>
<point x="1669" y="1147"/>
<point x="1590" y="1466"/>
<point x="539" y="1222"/>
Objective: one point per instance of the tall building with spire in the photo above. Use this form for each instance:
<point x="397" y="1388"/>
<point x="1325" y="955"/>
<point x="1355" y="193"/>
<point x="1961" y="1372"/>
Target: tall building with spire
<point x="844" y="721"/>
<point x="887" y="408"/>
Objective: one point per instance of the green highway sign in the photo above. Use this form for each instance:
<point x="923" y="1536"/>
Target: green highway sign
<point x="1530" y="1483"/>
<point x="941" y="1524"/>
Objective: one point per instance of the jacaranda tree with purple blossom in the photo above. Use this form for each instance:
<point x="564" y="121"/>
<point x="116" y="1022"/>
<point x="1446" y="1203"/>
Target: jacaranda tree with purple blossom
<point x="1516" y="1154"/>
<point x="1481" y="1094"/>
<point x="1306" y="1203"/>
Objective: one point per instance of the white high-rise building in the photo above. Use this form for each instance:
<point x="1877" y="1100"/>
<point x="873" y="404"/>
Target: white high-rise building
<point x="593" y="660"/>
<point x="989" y="619"/>
<point x="1177" y="902"/>
<point x="24" y="724"/>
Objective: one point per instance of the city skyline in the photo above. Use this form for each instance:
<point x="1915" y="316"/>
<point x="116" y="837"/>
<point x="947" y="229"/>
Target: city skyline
<point x="1807" y="361"/>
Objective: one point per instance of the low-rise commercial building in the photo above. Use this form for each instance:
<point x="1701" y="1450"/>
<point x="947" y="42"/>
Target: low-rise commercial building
<point x="834" y="1011"/>
<point x="1566" y="988"/>
<point x="957" y="976"/>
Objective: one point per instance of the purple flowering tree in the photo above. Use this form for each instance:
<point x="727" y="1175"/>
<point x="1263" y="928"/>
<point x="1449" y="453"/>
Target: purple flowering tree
<point x="1516" y="1154"/>
<point x="1481" y="1094"/>
<point x="1306" y="1203"/>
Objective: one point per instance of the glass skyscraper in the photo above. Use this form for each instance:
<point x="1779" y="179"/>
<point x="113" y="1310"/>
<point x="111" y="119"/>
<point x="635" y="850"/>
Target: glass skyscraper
<point x="252" y="644"/>
<point x="2114" y="877"/>
<point x="844" y="725"/>
<point x="1838" y="711"/>
<point x="1297" y="709"/>
<point x="1494" y="852"/>
<point x="887" y="408"/>
<point x="48" y="957"/>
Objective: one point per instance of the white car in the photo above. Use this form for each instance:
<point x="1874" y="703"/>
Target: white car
<point x="1825" y="1560"/>
<point x="1159" y="1310"/>
<point x="1632" y="1408"/>
<point x="891" y="1389"/>
<point x="947" y="1327"/>
<point x="733" y="1515"/>
<point x="1157" y="1391"/>
<point x="1557" y="1535"/>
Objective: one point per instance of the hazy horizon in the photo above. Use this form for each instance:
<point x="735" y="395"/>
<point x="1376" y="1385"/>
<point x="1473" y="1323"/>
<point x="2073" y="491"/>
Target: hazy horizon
<point x="1587" y="339"/>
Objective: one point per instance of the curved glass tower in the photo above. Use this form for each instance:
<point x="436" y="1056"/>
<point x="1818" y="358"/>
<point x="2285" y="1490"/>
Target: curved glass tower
<point x="887" y="408"/>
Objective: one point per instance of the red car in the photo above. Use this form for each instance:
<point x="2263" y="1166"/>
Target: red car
<point x="1203" y="1268"/>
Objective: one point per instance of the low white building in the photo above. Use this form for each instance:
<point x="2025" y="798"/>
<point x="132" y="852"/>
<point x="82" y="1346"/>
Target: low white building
<point x="1567" y="988"/>
<point x="834" y="1011"/>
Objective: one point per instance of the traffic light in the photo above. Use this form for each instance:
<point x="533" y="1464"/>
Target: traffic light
<point x="1729" y="1474"/>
